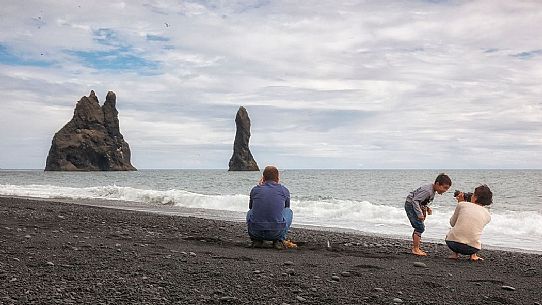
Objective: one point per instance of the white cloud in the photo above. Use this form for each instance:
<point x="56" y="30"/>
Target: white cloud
<point x="389" y="84"/>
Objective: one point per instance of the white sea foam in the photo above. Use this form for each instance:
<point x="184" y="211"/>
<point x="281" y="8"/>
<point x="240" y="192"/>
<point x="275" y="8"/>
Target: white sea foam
<point x="505" y="229"/>
<point x="113" y="192"/>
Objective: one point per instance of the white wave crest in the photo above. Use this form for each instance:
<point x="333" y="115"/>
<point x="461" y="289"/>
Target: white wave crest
<point x="113" y="192"/>
<point x="508" y="229"/>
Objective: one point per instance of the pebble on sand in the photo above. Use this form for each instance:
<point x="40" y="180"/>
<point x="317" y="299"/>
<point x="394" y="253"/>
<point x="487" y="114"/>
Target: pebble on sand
<point x="420" y="264"/>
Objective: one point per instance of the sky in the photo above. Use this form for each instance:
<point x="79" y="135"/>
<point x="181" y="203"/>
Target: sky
<point x="327" y="84"/>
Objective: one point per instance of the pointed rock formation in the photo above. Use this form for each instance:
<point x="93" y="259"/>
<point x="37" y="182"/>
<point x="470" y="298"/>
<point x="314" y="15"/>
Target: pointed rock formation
<point x="242" y="159"/>
<point x="91" y="141"/>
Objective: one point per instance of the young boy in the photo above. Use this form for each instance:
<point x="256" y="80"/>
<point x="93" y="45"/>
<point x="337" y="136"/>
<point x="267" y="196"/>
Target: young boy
<point x="416" y="207"/>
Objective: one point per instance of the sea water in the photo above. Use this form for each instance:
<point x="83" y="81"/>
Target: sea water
<point x="368" y="201"/>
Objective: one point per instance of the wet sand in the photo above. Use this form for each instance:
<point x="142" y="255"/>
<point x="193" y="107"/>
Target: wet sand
<point x="62" y="253"/>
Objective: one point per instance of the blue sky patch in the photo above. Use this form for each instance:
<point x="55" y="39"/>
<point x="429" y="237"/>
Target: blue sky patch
<point x="119" y="59"/>
<point x="10" y="58"/>
<point x="156" y="38"/>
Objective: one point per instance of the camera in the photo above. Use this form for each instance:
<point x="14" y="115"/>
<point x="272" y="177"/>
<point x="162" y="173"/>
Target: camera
<point x="467" y="196"/>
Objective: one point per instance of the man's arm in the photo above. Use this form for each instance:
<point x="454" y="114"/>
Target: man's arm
<point x="287" y="195"/>
<point x="251" y="200"/>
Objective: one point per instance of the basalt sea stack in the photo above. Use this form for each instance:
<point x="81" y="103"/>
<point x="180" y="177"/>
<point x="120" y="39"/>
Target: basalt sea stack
<point x="91" y="141"/>
<point x="242" y="159"/>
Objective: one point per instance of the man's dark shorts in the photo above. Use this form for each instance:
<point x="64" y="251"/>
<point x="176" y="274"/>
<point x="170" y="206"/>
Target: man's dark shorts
<point x="418" y="225"/>
<point x="461" y="248"/>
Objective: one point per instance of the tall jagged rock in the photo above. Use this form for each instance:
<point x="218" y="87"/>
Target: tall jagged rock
<point x="91" y="140"/>
<point x="242" y="159"/>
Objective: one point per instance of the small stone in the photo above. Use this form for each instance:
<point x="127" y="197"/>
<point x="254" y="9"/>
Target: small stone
<point x="191" y="253"/>
<point x="313" y="289"/>
<point x="16" y="259"/>
<point x="27" y="236"/>
<point x="335" y="278"/>
<point x="397" y="300"/>
<point x="420" y="264"/>
<point x="290" y="271"/>
<point x="378" y="289"/>
<point x="257" y="271"/>
<point x="50" y="263"/>
<point x="510" y="288"/>
<point x="300" y="298"/>
<point x="228" y="299"/>
<point x="288" y="263"/>
<point x="346" y="274"/>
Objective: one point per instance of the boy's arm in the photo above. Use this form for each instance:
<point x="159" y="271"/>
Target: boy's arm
<point x="418" y="209"/>
<point x="419" y="197"/>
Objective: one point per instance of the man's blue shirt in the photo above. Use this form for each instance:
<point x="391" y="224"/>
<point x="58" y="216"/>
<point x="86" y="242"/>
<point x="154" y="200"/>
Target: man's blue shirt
<point x="267" y="202"/>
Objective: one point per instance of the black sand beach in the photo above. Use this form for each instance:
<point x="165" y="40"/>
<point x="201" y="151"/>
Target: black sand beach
<point x="59" y="253"/>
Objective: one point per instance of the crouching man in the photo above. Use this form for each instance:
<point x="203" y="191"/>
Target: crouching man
<point x="269" y="216"/>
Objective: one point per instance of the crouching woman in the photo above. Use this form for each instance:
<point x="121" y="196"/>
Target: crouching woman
<point x="468" y="222"/>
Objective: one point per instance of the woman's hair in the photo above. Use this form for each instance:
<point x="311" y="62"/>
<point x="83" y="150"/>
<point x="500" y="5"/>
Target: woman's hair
<point x="271" y="173"/>
<point x="483" y="194"/>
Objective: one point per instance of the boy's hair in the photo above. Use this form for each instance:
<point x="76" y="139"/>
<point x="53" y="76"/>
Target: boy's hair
<point x="483" y="194"/>
<point x="271" y="173"/>
<point x="442" y="179"/>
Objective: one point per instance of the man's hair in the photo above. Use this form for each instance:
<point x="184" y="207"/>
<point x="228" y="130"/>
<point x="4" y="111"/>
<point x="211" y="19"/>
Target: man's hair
<point x="483" y="194"/>
<point x="271" y="173"/>
<point x="442" y="178"/>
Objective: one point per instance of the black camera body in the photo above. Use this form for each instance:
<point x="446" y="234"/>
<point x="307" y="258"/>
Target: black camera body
<point x="467" y="196"/>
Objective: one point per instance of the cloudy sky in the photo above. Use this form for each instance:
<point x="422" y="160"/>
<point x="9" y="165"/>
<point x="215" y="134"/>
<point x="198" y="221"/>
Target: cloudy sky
<point x="327" y="84"/>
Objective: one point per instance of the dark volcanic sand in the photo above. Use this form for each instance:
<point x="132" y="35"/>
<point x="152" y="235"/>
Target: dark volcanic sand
<point x="58" y="253"/>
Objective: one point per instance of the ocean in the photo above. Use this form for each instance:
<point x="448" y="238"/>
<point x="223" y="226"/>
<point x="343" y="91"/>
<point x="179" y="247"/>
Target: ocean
<point x="368" y="201"/>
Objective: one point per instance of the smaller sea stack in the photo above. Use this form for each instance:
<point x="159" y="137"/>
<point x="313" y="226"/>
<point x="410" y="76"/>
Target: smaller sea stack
<point x="242" y="159"/>
<point x="91" y="141"/>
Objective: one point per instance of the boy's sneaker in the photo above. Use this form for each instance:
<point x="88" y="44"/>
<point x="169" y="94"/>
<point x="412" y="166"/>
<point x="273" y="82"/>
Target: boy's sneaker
<point x="288" y="244"/>
<point x="257" y="244"/>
